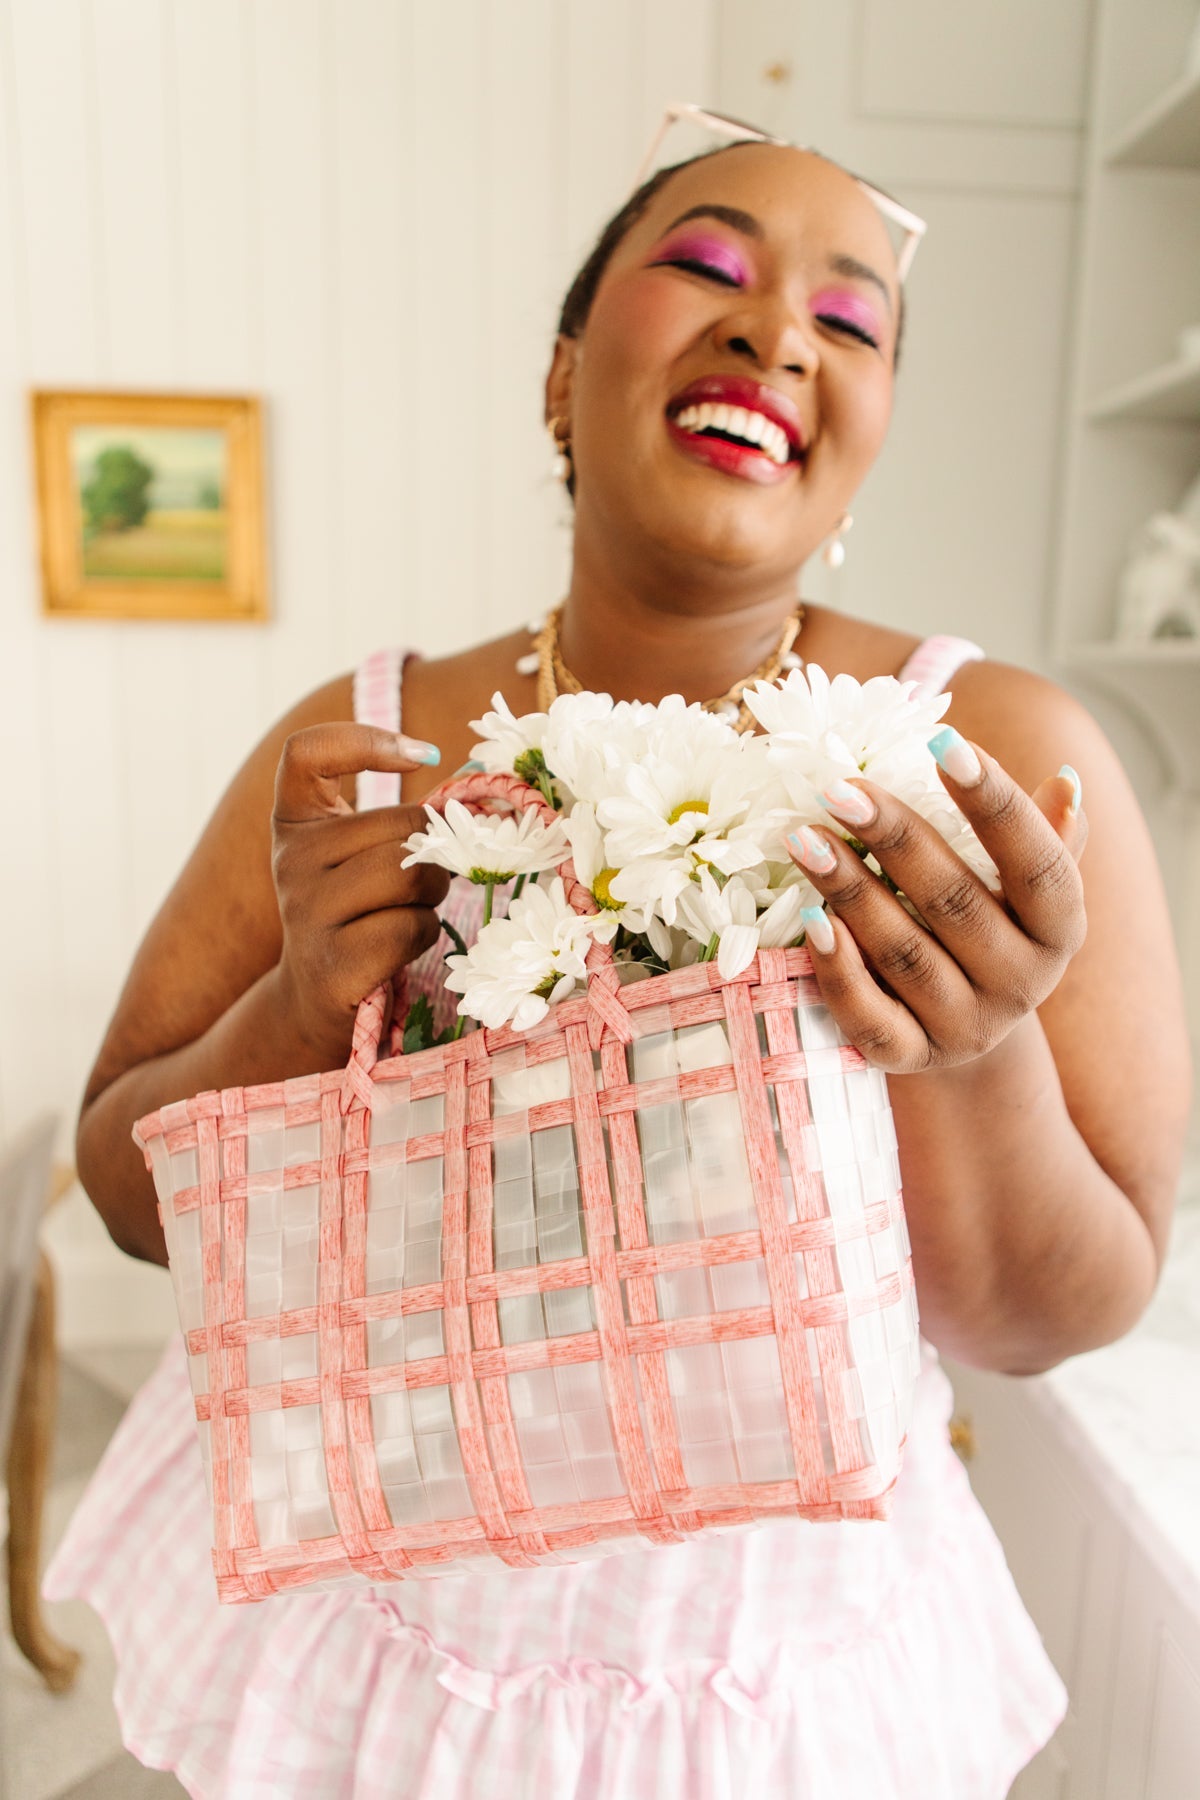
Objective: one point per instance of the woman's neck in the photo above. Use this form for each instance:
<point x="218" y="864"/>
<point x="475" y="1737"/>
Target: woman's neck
<point x="638" y="641"/>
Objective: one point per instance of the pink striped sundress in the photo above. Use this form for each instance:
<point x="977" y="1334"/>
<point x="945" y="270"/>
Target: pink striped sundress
<point x="788" y="1661"/>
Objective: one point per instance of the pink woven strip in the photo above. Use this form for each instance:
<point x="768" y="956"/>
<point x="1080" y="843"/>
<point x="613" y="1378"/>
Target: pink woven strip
<point x="768" y="1192"/>
<point x="456" y="1325"/>
<point x="570" y="1524"/>
<point x="353" y="1319"/>
<point x="343" y="1497"/>
<point x="575" y="1271"/>
<point x="540" y="1353"/>
<point x="640" y="1296"/>
<point x="233" y="1151"/>
<point x="208" y="1156"/>
<point x="485" y="1321"/>
<point x="795" y="1118"/>
<point x="606" y="1290"/>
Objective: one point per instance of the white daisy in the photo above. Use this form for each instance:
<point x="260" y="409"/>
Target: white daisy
<point x="506" y="740"/>
<point x="488" y="848"/>
<point x="519" y="966"/>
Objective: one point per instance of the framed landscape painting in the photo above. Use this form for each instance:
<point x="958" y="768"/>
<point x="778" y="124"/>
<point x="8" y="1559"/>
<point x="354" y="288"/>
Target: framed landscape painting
<point x="150" y="506"/>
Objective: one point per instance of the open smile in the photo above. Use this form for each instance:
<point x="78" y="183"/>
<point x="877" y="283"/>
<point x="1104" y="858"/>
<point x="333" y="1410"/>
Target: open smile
<point x="743" y="428"/>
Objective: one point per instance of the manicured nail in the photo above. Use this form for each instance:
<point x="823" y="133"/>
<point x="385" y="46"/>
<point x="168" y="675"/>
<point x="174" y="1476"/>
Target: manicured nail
<point x="419" y="751"/>
<point x="956" y="756"/>
<point x="818" y="932"/>
<point x="813" y="851"/>
<point x="1067" y="773"/>
<point x="849" y="803"/>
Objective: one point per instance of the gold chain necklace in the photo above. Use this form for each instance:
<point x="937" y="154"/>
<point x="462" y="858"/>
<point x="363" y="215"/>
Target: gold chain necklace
<point x="555" y="678"/>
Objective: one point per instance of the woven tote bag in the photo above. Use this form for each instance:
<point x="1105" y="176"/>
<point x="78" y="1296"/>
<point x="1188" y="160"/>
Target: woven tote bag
<point x="638" y="1272"/>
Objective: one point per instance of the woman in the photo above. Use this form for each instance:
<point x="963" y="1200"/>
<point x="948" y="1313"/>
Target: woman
<point x="1038" y="1165"/>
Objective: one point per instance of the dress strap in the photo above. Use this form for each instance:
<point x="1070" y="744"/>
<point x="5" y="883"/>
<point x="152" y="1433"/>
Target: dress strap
<point x="377" y="702"/>
<point x="935" y="662"/>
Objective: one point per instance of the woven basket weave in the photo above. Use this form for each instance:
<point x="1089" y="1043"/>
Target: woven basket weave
<point x="638" y="1272"/>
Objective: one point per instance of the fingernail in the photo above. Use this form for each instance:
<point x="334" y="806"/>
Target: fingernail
<point x="849" y="803"/>
<point x="812" y="851"/>
<point x="1068" y="774"/>
<point x="956" y="756"/>
<point x="419" y="751"/>
<point x="818" y="932"/>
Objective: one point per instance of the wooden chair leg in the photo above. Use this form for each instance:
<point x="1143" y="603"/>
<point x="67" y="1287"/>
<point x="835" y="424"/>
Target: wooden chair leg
<point x="28" y="1461"/>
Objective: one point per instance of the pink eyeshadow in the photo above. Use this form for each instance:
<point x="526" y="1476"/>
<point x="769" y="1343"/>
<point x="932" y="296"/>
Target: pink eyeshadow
<point x="698" y="247"/>
<point x="849" y="307"/>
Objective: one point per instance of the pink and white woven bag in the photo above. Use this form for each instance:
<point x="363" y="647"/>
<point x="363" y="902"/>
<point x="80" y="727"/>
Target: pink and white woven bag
<point x="638" y="1272"/>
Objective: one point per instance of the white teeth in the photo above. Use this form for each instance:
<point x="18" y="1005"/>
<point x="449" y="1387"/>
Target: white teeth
<point x="753" y="428"/>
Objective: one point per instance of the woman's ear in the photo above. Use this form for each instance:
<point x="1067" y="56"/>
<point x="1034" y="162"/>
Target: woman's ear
<point x="560" y="380"/>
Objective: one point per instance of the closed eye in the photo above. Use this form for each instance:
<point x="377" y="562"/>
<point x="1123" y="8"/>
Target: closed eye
<point x="694" y="266"/>
<point x="856" y="331"/>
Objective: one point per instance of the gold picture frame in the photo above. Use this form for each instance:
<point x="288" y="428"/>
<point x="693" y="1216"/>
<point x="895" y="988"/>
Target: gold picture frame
<point x="150" y="506"/>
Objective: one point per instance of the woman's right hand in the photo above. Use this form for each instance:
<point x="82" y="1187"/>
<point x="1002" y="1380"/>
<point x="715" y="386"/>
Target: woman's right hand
<point x="351" y="916"/>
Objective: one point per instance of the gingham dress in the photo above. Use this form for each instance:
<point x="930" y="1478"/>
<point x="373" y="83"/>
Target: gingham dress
<point x="788" y="1661"/>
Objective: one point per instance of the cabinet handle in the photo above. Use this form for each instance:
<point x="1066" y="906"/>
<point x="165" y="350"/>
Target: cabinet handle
<point x="962" y="1436"/>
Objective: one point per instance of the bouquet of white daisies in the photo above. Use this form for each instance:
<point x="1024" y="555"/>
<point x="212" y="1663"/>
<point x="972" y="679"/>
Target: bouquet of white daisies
<point x="675" y="823"/>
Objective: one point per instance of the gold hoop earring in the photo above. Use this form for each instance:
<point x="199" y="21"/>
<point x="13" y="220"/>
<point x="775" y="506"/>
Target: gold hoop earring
<point x="834" y="553"/>
<point x="560" y="468"/>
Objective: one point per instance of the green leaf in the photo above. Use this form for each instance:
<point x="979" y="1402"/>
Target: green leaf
<point x="418" y="1026"/>
<point x="455" y="937"/>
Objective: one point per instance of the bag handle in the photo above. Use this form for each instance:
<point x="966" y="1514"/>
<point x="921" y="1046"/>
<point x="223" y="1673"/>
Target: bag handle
<point x="474" y="791"/>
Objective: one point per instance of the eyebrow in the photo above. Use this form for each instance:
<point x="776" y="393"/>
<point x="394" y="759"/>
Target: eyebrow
<point x="749" y="226"/>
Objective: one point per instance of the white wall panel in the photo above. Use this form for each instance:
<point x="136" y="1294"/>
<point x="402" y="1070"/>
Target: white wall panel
<point x="993" y="62"/>
<point x="366" y="213"/>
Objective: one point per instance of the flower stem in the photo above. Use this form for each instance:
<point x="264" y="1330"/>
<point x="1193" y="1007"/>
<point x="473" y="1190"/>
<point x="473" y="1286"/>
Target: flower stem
<point x="489" y="888"/>
<point x="710" y="949"/>
<point x="520" y="883"/>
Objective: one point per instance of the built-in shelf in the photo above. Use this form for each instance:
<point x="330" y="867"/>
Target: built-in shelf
<point x="1154" y="652"/>
<point x="1165" y="134"/>
<point x="1170" y="395"/>
<point x="1159" y="681"/>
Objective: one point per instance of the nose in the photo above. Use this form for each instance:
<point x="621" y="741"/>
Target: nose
<point x="772" y="336"/>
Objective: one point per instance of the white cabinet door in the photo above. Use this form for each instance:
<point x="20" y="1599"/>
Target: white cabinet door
<point x="1067" y="1556"/>
<point x="1154" y="1749"/>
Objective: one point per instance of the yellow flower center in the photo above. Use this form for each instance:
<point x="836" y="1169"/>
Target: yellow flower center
<point x="686" y="806"/>
<point x="602" y="890"/>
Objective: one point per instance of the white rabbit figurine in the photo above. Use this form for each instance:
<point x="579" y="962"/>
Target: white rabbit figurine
<point x="1158" y="595"/>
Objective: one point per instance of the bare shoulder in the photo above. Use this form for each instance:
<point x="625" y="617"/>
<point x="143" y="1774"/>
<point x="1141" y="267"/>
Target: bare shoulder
<point x="1029" y="723"/>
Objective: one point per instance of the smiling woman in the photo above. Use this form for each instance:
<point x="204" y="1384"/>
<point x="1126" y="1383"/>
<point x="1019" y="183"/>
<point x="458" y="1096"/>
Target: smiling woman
<point x="720" y="386"/>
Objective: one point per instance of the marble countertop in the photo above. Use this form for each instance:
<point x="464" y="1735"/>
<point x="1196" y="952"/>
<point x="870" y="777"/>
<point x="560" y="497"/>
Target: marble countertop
<point x="1132" y="1410"/>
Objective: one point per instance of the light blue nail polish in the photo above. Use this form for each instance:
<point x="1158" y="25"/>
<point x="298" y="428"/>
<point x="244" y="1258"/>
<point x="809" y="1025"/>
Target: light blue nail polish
<point x="818" y="932"/>
<point x="955" y="756"/>
<point x="430" y="755"/>
<point x="1068" y="774"/>
<point x="472" y="767"/>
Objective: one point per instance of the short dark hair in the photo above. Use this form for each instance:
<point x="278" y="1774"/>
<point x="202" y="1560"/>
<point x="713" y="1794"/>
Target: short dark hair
<point x="582" y="291"/>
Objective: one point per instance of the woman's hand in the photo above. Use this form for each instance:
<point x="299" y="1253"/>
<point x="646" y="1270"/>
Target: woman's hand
<point x="957" y="983"/>
<point x="351" y="915"/>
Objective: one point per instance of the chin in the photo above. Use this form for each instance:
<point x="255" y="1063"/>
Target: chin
<point x="729" y="532"/>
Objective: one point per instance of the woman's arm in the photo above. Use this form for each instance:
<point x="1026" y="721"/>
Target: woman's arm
<point x="1040" y="1175"/>
<point x="208" y="1003"/>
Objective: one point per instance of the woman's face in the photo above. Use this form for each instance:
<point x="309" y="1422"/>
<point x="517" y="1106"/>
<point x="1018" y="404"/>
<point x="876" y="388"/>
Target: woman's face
<point x="733" y="384"/>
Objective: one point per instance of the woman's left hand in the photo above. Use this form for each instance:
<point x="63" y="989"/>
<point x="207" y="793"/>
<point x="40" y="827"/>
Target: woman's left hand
<point x="958" y="980"/>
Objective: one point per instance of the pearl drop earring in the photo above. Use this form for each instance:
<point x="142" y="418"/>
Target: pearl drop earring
<point x="561" y="466"/>
<point x="834" y="553"/>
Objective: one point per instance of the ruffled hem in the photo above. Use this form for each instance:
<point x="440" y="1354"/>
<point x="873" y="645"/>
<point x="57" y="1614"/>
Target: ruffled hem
<point x="947" y="1699"/>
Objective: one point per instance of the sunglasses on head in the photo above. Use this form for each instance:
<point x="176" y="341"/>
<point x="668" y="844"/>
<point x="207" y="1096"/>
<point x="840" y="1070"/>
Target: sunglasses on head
<point x="737" y="131"/>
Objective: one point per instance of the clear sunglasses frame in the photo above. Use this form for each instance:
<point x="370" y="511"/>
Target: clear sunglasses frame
<point x="737" y="131"/>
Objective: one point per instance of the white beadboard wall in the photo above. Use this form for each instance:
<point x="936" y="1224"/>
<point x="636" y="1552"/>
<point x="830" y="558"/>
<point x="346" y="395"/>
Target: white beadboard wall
<point x="366" y="211"/>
